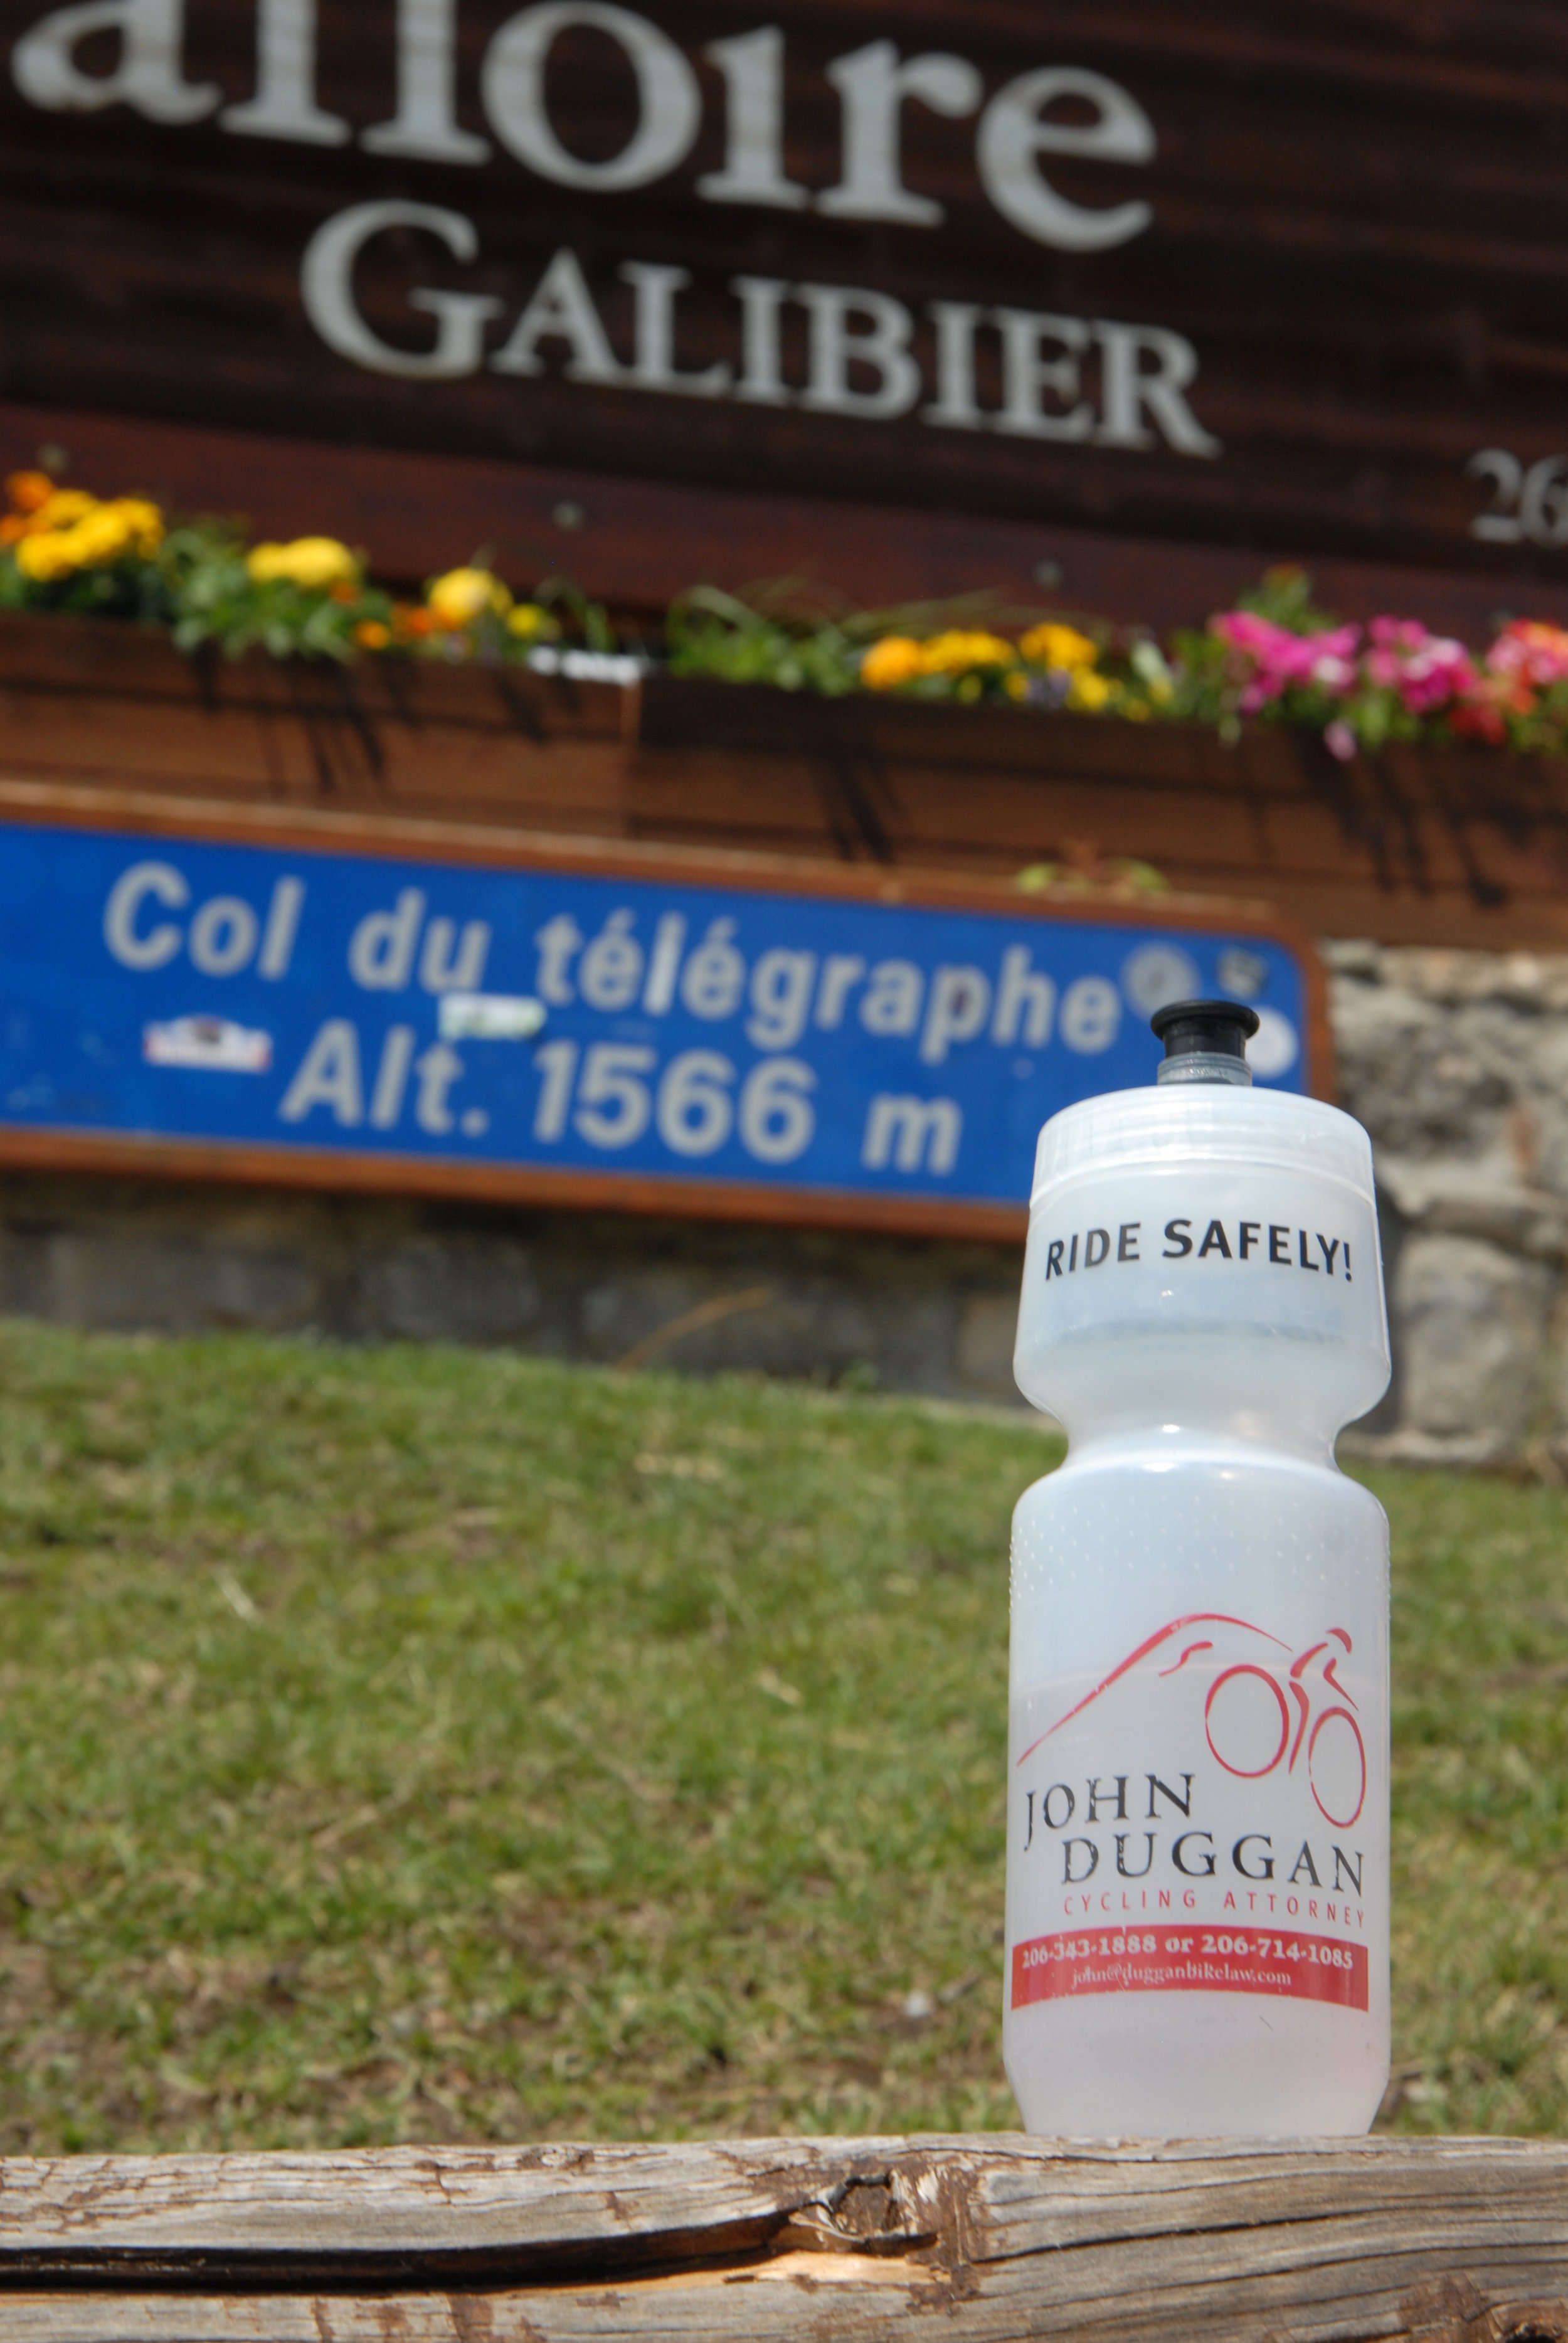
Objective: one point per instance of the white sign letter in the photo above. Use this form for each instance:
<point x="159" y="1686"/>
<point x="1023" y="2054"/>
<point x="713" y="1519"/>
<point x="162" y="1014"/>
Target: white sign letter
<point x="326" y="286"/>
<point x="285" y="104"/>
<point x="561" y="310"/>
<point x="1014" y="133"/>
<point x="752" y="65"/>
<point x="424" y="125"/>
<point x="872" y="87"/>
<point x="146" y="74"/>
<point x="654" y="367"/>
<point x="381" y="948"/>
<point x="762" y="381"/>
<point x="885" y="348"/>
<point x="1026" y="375"/>
<point x="329" y="1077"/>
<point x="1128" y="390"/>
<point x="162" y="882"/>
<point x="514" y="93"/>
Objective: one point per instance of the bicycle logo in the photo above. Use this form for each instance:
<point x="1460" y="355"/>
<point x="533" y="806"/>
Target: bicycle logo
<point x="1264" y="1713"/>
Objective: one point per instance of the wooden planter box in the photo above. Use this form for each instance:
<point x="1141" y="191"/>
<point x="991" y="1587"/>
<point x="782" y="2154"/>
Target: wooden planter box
<point x="100" y="705"/>
<point x="1432" y="846"/>
<point x="1451" y="845"/>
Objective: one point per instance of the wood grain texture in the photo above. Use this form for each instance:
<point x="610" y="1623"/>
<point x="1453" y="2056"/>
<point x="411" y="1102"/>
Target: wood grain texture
<point x="1438" y="846"/>
<point x="636" y="543"/>
<point x="1447" y="2241"/>
<point x="1359" y="223"/>
<point x="1430" y="846"/>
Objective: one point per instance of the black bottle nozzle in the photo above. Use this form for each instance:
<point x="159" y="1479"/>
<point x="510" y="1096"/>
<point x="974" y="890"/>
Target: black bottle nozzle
<point x="1205" y="1040"/>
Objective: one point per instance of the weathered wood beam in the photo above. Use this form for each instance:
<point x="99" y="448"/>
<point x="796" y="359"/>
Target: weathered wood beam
<point x="971" y="2240"/>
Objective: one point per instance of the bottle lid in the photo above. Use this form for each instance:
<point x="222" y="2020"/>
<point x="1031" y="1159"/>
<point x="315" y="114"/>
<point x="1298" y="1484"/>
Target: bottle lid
<point x="1205" y="1040"/>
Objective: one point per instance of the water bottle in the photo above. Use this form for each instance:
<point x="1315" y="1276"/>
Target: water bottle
<point x="1198" y="1802"/>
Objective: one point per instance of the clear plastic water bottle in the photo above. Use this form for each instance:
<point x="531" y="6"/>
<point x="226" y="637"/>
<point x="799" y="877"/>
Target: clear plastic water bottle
<point x="1198" y="1803"/>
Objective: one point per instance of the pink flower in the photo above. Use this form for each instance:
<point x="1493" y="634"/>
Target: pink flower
<point x="1340" y="741"/>
<point x="1531" y="650"/>
<point x="1278" y="659"/>
<point x="1427" y="671"/>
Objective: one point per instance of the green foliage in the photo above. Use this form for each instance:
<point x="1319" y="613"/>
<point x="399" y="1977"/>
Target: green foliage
<point x="422" y="1743"/>
<point x="214" y="599"/>
<point x="736" y="640"/>
<point x="128" y="588"/>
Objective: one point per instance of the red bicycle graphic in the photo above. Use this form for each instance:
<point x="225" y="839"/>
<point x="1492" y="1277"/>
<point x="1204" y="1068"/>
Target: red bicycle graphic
<point x="1261" y="1714"/>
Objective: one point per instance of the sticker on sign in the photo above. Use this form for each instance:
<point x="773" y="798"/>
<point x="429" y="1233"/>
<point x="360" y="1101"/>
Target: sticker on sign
<point x="211" y="1044"/>
<point x="489" y="1017"/>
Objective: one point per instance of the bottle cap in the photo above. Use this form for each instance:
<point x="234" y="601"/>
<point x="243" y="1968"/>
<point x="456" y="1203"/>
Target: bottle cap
<point x="1205" y="1040"/>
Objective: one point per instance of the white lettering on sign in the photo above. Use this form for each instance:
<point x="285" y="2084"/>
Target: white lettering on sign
<point x="752" y="65"/>
<point x="912" y="1133"/>
<point x="285" y="103"/>
<point x="872" y="85"/>
<point x="1532" y="504"/>
<point x="864" y="348"/>
<point x="223" y="935"/>
<point x="1019" y="129"/>
<point x="716" y="1021"/>
<point x="669" y="101"/>
<point x="326" y="289"/>
<point x="425" y="125"/>
<point x="147" y="72"/>
<point x="861" y="353"/>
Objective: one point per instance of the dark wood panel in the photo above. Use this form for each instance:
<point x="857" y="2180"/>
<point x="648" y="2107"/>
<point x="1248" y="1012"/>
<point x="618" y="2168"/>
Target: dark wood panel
<point x="1358" y="224"/>
<point x="636" y="543"/>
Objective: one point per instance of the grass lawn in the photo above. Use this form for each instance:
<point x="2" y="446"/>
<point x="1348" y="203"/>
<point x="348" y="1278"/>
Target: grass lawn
<point x="415" y="1745"/>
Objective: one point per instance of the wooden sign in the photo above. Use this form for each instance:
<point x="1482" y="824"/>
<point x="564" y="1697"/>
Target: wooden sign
<point x="1214" y="274"/>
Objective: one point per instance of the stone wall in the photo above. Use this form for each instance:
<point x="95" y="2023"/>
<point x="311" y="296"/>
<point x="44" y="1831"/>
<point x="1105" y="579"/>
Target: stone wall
<point x="608" y="1287"/>
<point x="1457" y="1062"/>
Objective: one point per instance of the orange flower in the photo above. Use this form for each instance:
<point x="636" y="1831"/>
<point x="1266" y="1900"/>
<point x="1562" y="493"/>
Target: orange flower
<point x="372" y="634"/>
<point x="28" y="490"/>
<point x="346" y="590"/>
<point x="890" y="661"/>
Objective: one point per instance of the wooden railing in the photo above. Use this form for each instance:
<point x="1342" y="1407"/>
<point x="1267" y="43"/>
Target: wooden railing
<point x="993" y="2238"/>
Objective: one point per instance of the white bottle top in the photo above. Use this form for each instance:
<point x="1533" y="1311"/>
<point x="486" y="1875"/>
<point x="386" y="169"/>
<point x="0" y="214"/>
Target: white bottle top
<point x="1203" y="1257"/>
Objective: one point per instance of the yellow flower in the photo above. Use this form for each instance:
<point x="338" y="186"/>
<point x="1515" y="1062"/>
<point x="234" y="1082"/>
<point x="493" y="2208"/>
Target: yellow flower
<point x="313" y="562"/>
<point x="464" y="594"/>
<point x="97" y="539"/>
<point x="1052" y="645"/>
<point x="529" y="620"/>
<point x="958" y="650"/>
<point x="43" y="558"/>
<point x="895" y="659"/>
<point x="64" y="505"/>
<point x="143" y="521"/>
<point x="1090" y="692"/>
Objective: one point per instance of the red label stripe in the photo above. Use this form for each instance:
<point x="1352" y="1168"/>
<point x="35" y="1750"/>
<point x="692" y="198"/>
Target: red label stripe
<point x="1190" y="1960"/>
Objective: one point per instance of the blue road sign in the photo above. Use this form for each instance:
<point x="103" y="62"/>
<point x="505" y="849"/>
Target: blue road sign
<point x="540" y="1018"/>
